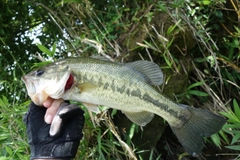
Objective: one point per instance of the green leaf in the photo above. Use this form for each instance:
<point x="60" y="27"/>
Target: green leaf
<point x="235" y="137"/>
<point x="226" y="114"/>
<point x="223" y="135"/>
<point x="5" y="100"/>
<point x="188" y="96"/>
<point x="4" y="158"/>
<point x="177" y="3"/>
<point x="236" y="108"/>
<point x="171" y="28"/>
<point x="236" y="42"/>
<point x="170" y="43"/>
<point x="131" y="131"/>
<point x="232" y="126"/>
<point x="162" y="6"/>
<point x="44" y="49"/>
<point x="234" y="147"/>
<point x="150" y="46"/>
<point x="204" y="2"/>
<point x="99" y="146"/>
<point x="9" y="150"/>
<point x="54" y="48"/>
<point x="41" y="64"/>
<point x="4" y="136"/>
<point x="231" y="116"/>
<point x="216" y="140"/>
<point x="197" y="93"/>
<point x="167" y="61"/>
<point x="114" y="111"/>
<point x="195" y="85"/>
<point x="4" y="103"/>
<point x="200" y="60"/>
<point x="67" y="1"/>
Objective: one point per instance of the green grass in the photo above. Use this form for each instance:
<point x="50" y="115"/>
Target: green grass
<point x="13" y="141"/>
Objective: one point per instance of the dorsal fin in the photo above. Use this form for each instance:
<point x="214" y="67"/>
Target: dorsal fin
<point x="150" y="69"/>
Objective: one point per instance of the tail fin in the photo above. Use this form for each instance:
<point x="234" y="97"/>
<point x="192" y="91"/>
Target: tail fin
<point x="202" y="123"/>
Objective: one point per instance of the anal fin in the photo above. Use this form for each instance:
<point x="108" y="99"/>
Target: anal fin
<point x="92" y="108"/>
<point x="140" y="118"/>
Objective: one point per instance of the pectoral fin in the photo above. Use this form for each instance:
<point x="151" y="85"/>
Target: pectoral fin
<point x="140" y="118"/>
<point x="92" y="107"/>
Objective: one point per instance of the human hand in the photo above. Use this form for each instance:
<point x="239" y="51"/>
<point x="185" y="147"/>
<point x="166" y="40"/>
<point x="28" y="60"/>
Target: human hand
<point x="64" y="142"/>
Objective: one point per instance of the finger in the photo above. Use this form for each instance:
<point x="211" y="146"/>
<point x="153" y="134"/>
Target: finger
<point x="48" y="102"/>
<point x="52" y="110"/>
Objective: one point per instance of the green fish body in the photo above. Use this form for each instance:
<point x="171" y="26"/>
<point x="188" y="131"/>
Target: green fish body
<point x="126" y="87"/>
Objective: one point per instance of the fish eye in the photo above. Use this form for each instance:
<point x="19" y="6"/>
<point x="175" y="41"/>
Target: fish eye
<point x="39" y="72"/>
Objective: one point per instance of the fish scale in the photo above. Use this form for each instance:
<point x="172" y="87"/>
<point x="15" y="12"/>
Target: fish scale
<point x="126" y="87"/>
<point x="112" y="90"/>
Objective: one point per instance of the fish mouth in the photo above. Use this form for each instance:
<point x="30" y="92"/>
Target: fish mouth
<point x="30" y="86"/>
<point x="69" y="82"/>
<point x="37" y="98"/>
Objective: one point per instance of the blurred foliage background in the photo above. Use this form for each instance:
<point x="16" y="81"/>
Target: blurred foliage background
<point x="195" y="43"/>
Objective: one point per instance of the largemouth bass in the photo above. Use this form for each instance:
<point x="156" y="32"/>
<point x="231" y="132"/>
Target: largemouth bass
<point x="126" y="87"/>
